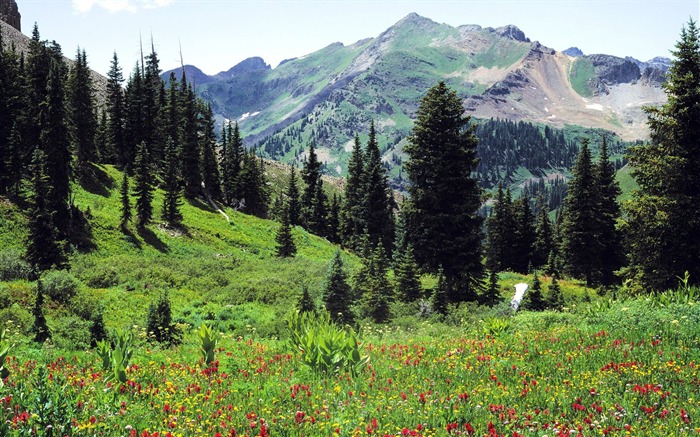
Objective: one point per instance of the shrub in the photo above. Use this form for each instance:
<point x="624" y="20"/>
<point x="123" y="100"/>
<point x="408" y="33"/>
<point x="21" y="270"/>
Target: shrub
<point x="160" y="326"/>
<point x="71" y="333"/>
<point x="4" y="350"/>
<point x="60" y="285"/>
<point x="12" y="266"/>
<point x="16" y="315"/>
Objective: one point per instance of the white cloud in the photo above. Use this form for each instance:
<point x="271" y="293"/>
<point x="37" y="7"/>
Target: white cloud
<point x="83" y="6"/>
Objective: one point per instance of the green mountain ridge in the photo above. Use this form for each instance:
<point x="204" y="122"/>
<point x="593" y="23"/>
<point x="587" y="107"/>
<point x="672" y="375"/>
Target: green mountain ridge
<point x="329" y="96"/>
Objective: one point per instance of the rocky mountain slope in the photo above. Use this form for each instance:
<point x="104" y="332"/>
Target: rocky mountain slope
<point x="330" y="95"/>
<point x="9" y="13"/>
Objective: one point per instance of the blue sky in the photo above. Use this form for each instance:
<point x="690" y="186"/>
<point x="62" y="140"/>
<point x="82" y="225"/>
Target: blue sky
<point x="217" y="34"/>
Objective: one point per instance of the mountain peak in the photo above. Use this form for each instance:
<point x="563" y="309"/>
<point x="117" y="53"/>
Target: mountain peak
<point x="574" y="52"/>
<point x="415" y="20"/>
<point x="10" y="14"/>
<point x="248" y="65"/>
<point x="512" y="32"/>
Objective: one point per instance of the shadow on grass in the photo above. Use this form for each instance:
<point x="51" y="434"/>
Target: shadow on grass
<point x="199" y="203"/>
<point x="80" y="233"/>
<point x="132" y="238"/>
<point x="95" y="180"/>
<point x="150" y="238"/>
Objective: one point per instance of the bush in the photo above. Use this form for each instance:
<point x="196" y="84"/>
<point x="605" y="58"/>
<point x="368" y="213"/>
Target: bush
<point x="16" y="316"/>
<point x="12" y="266"/>
<point x="71" y="333"/>
<point x="160" y="326"/>
<point x="60" y="285"/>
<point x="101" y="276"/>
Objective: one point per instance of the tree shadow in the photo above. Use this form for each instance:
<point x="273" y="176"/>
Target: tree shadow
<point x="131" y="237"/>
<point x="149" y="237"/>
<point x="80" y="234"/>
<point x="199" y="203"/>
<point x="95" y="180"/>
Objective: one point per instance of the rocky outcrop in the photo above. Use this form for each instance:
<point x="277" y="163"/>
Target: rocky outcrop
<point x="512" y="32"/>
<point x="246" y="66"/>
<point x="574" y="52"/>
<point x="10" y="14"/>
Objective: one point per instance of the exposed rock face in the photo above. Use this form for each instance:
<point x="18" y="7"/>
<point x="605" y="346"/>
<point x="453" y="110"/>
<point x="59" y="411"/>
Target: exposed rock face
<point x="574" y="52"/>
<point x="246" y="66"/>
<point x="10" y="14"/>
<point x="512" y="32"/>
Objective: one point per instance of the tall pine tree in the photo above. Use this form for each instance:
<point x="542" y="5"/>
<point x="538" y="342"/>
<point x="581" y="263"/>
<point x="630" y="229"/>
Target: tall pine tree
<point x="352" y="224"/>
<point x="143" y="186"/>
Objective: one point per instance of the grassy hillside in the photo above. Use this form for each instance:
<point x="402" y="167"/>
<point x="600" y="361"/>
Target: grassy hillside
<point x="582" y="71"/>
<point x="223" y="272"/>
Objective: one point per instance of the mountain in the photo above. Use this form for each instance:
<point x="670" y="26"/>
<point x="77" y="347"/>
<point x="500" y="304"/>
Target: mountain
<point x="332" y="94"/>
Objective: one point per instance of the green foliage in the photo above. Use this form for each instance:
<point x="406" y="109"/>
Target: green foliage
<point x="39" y="327"/>
<point x="116" y="358"/>
<point x="407" y="275"/>
<point x="306" y="303"/>
<point x="12" y="266"/>
<point x="495" y="326"/>
<point x="441" y="213"/>
<point x="662" y="231"/>
<point x="5" y="347"/>
<point x="438" y="300"/>
<point x="71" y="333"/>
<point x="324" y="346"/>
<point x="209" y="340"/>
<point x="60" y="286"/>
<point x="555" y="299"/>
<point x="284" y="237"/>
<point x="373" y="287"/>
<point x="125" y="212"/>
<point x="581" y="73"/>
<point x="143" y="186"/>
<point x="159" y="324"/>
<point x="533" y="300"/>
<point x="337" y="296"/>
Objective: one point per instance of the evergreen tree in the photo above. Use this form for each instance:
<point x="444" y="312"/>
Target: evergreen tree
<point x="543" y="243"/>
<point x="191" y="146"/>
<point x="378" y="214"/>
<point x="171" y="123"/>
<point x="152" y="106"/>
<point x="12" y="96"/>
<point x="125" y="215"/>
<point x="233" y="157"/>
<point x="336" y="292"/>
<point x="492" y="296"/>
<point x="284" y="238"/>
<point x="352" y="216"/>
<point x="56" y="145"/>
<point x="580" y="245"/>
<point x="253" y="186"/>
<point x="377" y="292"/>
<point x="333" y="220"/>
<point x="441" y="212"/>
<point x="143" y="188"/>
<point x="210" y="167"/>
<point x="313" y="198"/>
<point x="134" y="132"/>
<point x="663" y="229"/>
<point x="499" y="229"/>
<point x="555" y="299"/>
<point x="171" y="186"/>
<point x="83" y="119"/>
<point x="408" y="285"/>
<point x="292" y="195"/>
<point x="306" y="303"/>
<point x="116" y="112"/>
<point x="610" y="258"/>
<point x="43" y="248"/>
<point x="438" y="300"/>
<point x="98" y="332"/>
<point x="524" y="235"/>
<point x="534" y="301"/>
<point x="102" y="150"/>
<point x="39" y="328"/>
<point x="12" y="179"/>
<point x="159" y="323"/>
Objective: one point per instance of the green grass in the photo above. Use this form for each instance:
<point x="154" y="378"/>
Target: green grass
<point x="582" y="71"/>
<point x="627" y="183"/>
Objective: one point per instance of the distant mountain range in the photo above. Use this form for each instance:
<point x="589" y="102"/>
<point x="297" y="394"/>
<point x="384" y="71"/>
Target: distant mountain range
<point x="330" y="95"/>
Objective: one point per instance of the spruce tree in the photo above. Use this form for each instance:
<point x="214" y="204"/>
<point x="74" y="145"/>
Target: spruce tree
<point x="172" y="129"/>
<point x="306" y="303"/>
<point x="555" y="299"/>
<point x="377" y="292"/>
<point x="333" y="220"/>
<point x="210" y="166"/>
<point x="43" y="247"/>
<point x="56" y="145"/>
<point x="580" y="245"/>
<point x="292" y="198"/>
<point x="159" y="322"/>
<point x="524" y="235"/>
<point x="408" y="285"/>
<point x="611" y="257"/>
<point x="253" y="186"/>
<point x="143" y="188"/>
<point x="313" y="198"/>
<point x="500" y="231"/>
<point x="124" y="192"/>
<point x="543" y="243"/>
<point x="492" y="295"/>
<point x="376" y="202"/>
<point x="438" y="299"/>
<point x="663" y="230"/>
<point x="83" y="119"/>
<point x="171" y="185"/>
<point x="442" y="211"/>
<point x="284" y="239"/>
<point x="134" y="132"/>
<point x="233" y="158"/>
<point x="336" y="292"/>
<point x="191" y="146"/>
<point x="352" y="223"/>
<point x="39" y="328"/>
<point x="116" y="112"/>
<point x="534" y="301"/>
